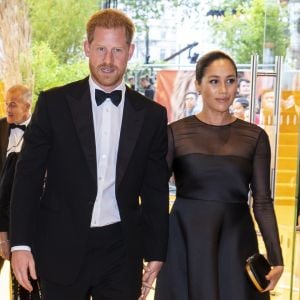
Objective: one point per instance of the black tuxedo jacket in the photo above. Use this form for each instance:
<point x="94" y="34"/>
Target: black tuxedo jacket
<point x="4" y="202"/>
<point x="55" y="221"/>
<point x="3" y="141"/>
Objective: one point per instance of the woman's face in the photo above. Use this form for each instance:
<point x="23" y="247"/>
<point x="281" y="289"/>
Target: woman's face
<point x="238" y="110"/>
<point x="218" y="86"/>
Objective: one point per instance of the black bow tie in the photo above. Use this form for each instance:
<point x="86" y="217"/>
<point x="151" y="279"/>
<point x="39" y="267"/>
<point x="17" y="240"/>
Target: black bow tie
<point x="13" y="126"/>
<point x="114" y="96"/>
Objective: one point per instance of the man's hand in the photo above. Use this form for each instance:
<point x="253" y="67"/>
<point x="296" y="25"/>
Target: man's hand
<point x="151" y="270"/>
<point x="4" y="245"/>
<point x="23" y="265"/>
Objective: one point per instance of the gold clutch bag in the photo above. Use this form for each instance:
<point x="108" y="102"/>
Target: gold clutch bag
<point x="257" y="267"/>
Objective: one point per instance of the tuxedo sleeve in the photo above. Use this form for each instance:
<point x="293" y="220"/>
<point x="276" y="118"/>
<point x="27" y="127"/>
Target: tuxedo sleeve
<point x="6" y="181"/>
<point x="29" y="176"/>
<point x="155" y="195"/>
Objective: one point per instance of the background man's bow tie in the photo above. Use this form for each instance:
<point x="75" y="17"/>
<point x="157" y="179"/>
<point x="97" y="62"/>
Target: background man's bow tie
<point x="114" y="96"/>
<point x="13" y="126"/>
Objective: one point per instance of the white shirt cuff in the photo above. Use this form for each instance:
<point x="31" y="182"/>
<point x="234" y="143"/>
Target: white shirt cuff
<point x="16" y="248"/>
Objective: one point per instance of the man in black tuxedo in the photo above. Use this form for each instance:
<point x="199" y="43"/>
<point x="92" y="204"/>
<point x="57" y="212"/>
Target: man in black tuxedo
<point x="3" y="149"/>
<point x="18" y="112"/>
<point x="18" y="105"/>
<point x="103" y="207"/>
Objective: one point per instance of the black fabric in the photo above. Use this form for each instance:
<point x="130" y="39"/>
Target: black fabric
<point x="4" y="130"/>
<point x="1" y="263"/>
<point x="6" y="182"/>
<point x="54" y="218"/>
<point x="19" y="293"/>
<point x="3" y="149"/>
<point x="102" y="275"/>
<point x="258" y="267"/>
<point x="114" y="96"/>
<point x="13" y="126"/>
<point x="211" y="228"/>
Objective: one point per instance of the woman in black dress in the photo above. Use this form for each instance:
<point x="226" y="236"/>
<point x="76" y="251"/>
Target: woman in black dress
<point x="217" y="160"/>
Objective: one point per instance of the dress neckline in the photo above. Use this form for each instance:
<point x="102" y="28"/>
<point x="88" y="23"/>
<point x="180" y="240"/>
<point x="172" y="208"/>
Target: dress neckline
<point x="213" y="125"/>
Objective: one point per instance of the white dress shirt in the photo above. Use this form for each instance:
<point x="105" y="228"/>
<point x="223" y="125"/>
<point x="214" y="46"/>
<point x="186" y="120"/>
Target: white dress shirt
<point x="107" y="120"/>
<point x="15" y="139"/>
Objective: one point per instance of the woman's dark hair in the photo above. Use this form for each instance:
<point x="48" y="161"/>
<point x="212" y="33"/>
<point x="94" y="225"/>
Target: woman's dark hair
<point x="207" y="59"/>
<point x="243" y="101"/>
<point x="242" y="79"/>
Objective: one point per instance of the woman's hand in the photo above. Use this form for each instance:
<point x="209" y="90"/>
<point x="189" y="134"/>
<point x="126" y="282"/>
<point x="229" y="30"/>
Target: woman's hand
<point x="274" y="275"/>
<point x="151" y="271"/>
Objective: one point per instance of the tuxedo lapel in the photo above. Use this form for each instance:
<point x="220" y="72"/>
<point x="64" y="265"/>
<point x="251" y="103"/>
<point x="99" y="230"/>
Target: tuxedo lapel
<point x="81" y="110"/>
<point x="132" y="122"/>
<point x="4" y="127"/>
<point x="4" y="137"/>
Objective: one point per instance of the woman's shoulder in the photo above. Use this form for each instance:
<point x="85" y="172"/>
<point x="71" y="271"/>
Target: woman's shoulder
<point x="250" y="130"/>
<point x="245" y="125"/>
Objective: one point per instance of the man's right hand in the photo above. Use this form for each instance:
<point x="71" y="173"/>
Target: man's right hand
<point x="23" y="265"/>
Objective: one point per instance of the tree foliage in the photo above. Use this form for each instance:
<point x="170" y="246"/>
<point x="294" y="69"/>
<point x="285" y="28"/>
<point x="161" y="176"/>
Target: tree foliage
<point x="143" y="10"/>
<point x="48" y="72"/>
<point x="252" y="27"/>
<point x="61" y="24"/>
<point x="58" y="31"/>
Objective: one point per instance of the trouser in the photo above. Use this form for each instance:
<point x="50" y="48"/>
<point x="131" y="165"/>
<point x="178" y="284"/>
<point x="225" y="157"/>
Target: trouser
<point x="102" y="274"/>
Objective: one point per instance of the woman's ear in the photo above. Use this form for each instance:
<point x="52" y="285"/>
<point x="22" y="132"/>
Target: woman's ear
<point x="198" y="87"/>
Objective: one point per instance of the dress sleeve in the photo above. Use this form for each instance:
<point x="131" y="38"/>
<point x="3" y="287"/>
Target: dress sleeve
<point x="263" y="205"/>
<point x="171" y="150"/>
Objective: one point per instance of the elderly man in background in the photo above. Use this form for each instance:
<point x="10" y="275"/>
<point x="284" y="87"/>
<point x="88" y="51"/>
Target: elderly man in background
<point x="12" y="127"/>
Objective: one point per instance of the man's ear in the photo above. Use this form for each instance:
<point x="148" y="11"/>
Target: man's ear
<point x="28" y="106"/>
<point x="131" y="51"/>
<point x="86" y="47"/>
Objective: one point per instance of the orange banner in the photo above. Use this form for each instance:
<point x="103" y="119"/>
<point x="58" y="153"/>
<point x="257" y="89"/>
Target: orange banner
<point x="176" y="91"/>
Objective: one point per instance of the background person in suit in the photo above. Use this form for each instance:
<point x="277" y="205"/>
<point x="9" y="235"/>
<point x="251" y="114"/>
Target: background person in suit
<point x="18" y="105"/>
<point x="104" y="206"/>
<point x="147" y="87"/>
<point x="3" y="149"/>
<point x="18" y="109"/>
<point x="191" y="104"/>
